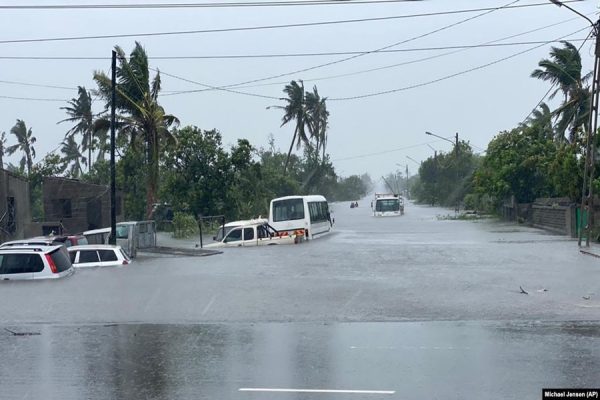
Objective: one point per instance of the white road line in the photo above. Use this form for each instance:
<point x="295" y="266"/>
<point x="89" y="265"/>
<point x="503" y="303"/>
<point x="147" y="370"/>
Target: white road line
<point x="209" y="304"/>
<point x="410" y="348"/>
<point x="317" y="391"/>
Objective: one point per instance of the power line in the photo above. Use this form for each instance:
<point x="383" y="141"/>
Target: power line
<point x="264" y="27"/>
<point x="452" y="75"/>
<point x="286" y="55"/>
<point x="206" y="5"/>
<point x="488" y="11"/>
<point x="37" y="85"/>
<point x="387" y="66"/>
<point x="31" y="98"/>
<point x="214" y="87"/>
<point x="389" y="151"/>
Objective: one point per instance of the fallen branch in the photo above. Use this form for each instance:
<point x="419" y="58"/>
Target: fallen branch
<point x="522" y="291"/>
<point x="22" y="333"/>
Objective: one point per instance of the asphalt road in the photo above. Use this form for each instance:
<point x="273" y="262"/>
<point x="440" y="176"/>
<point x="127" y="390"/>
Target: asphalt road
<point x="417" y="306"/>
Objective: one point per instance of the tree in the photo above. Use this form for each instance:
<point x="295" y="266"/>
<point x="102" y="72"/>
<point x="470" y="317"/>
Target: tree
<point x="72" y="156"/>
<point x="517" y="163"/>
<point x="25" y="142"/>
<point x="294" y="110"/>
<point x="200" y="173"/>
<point x="141" y="116"/>
<point x="541" y="121"/>
<point x="80" y="112"/>
<point x="564" y="70"/>
<point x="317" y="118"/>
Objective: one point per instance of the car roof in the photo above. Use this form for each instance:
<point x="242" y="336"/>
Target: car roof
<point x="246" y="222"/>
<point x="34" y="241"/>
<point x="20" y="249"/>
<point x="93" y="247"/>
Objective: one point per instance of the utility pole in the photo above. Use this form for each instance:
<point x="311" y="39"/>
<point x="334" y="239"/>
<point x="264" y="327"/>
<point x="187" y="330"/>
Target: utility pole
<point x="457" y="182"/>
<point x="113" y="174"/>
<point x="587" y="195"/>
<point x="406" y="181"/>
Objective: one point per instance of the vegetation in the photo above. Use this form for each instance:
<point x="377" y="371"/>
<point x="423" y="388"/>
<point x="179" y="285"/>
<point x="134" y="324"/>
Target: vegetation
<point x="186" y="170"/>
<point x="543" y="157"/>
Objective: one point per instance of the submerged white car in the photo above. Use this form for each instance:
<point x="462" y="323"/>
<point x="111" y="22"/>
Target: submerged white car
<point x="98" y="255"/>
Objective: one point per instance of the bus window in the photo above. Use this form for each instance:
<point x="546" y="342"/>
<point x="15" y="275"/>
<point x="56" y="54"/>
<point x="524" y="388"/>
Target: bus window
<point x="286" y="210"/>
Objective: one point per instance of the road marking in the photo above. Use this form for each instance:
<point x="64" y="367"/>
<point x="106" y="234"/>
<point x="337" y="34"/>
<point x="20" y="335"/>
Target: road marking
<point x="209" y="304"/>
<point x="410" y="348"/>
<point x="353" y="297"/>
<point x="317" y="391"/>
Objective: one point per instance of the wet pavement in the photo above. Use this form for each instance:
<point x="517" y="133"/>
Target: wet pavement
<point x="429" y="360"/>
<point x="415" y="305"/>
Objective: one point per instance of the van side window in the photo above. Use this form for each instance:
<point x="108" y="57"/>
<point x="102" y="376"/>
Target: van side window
<point x="248" y="234"/>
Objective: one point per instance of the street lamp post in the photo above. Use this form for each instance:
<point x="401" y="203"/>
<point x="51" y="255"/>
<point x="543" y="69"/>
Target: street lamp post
<point x="455" y="143"/>
<point x="587" y="195"/>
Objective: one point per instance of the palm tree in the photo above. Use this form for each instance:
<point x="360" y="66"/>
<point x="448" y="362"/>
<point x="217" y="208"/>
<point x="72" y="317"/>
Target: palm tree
<point x="25" y="142"/>
<point x="295" y="109"/>
<point x="80" y="112"/>
<point x="317" y="118"/>
<point x="564" y="70"/>
<point x="72" y="156"/>
<point x="541" y="120"/>
<point x="140" y="116"/>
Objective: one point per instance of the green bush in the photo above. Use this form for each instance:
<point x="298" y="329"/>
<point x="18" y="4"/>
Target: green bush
<point x="184" y="225"/>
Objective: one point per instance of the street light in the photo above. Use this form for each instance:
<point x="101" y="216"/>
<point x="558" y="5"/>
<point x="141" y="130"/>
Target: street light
<point x="457" y="207"/>
<point x="413" y="160"/>
<point x="587" y="196"/>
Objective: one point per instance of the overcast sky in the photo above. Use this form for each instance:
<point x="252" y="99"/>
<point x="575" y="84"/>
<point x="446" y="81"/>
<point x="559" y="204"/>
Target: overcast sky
<point x="369" y="134"/>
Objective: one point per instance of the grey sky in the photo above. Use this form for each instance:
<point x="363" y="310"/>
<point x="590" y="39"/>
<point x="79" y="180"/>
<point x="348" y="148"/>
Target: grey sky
<point x="478" y="104"/>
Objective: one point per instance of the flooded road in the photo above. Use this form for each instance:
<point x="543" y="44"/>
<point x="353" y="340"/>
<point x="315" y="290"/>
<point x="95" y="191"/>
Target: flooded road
<point x="409" y="268"/>
<point x="443" y="360"/>
<point x="409" y="307"/>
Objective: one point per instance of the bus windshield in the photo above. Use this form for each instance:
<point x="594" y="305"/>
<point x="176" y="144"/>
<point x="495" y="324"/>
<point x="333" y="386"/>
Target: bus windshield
<point x="387" y="205"/>
<point x="286" y="210"/>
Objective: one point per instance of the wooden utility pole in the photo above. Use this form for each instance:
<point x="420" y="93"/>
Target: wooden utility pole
<point x="113" y="173"/>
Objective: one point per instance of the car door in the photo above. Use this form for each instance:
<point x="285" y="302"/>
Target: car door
<point x="108" y="258"/>
<point x="88" y="258"/>
<point x="250" y="237"/>
<point x="20" y="266"/>
<point x="233" y="238"/>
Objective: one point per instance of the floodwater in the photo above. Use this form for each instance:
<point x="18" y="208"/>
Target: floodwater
<point x="405" y="307"/>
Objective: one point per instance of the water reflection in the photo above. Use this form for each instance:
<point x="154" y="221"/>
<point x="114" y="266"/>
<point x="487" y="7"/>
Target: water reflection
<point x="494" y="360"/>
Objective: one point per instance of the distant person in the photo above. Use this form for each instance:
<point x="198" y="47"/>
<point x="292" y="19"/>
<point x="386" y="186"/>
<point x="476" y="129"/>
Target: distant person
<point x="356" y="205"/>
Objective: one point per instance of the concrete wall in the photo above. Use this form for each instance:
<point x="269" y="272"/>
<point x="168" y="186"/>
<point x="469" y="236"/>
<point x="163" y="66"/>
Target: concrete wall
<point x="80" y="206"/>
<point x="14" y="206"/>
<point x="557" y="215"/>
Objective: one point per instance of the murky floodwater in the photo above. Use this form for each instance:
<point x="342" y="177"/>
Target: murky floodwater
<point x="277" y="317"/>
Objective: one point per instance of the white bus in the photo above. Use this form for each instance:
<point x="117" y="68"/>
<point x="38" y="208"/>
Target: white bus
<point x="387" y="205"/>
<point x="310" y="213"/>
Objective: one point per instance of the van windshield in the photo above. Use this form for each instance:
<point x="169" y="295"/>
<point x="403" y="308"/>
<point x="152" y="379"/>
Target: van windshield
<point x="122" y="232"/>
<point x="220" y="234"/>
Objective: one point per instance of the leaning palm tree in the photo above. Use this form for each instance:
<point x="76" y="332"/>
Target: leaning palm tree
<point x="140" y="114"/>
<point x="80" y="112"/>
<point x="317" y="119"/>
<point x="72" y="157"/>
<point x="564" y="70"/>
<point x="25" y="142"/>
<point x="295" y="109"/>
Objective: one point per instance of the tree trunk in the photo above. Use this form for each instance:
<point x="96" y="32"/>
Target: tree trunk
<point x="287" y="160"/>
<point x="152" y="175"/>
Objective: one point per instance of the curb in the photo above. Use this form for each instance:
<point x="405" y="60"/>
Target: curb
<point x="589" y="253"/>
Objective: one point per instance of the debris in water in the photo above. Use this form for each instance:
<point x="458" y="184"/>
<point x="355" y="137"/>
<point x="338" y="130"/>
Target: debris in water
<point x="522" y="291"/>
<point x="586" y="297"/>
<point x="541" y="290"/>
<point x="22" y="333"/>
